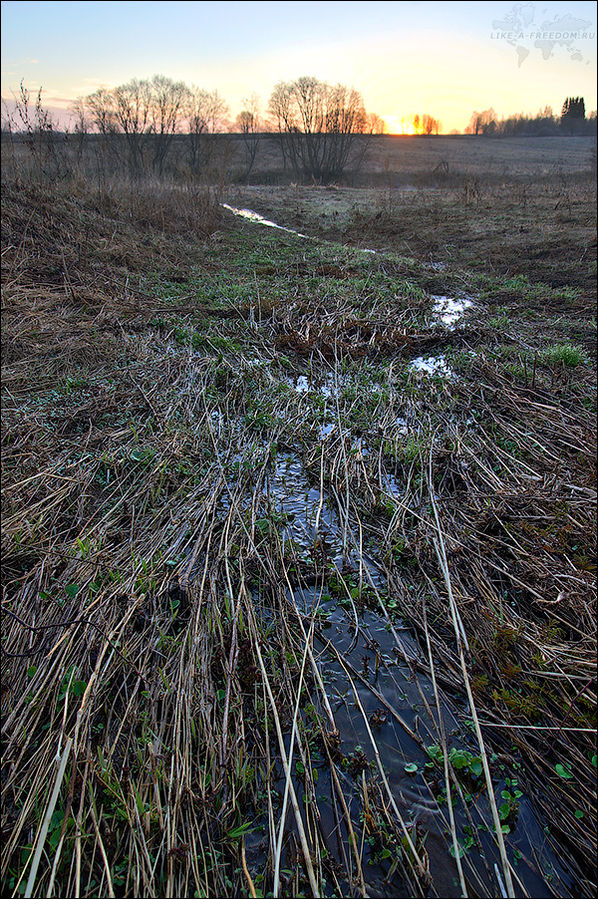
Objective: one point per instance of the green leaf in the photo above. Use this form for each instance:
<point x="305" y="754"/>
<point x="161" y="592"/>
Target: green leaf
<point x="411" y="768"/>
<point x="299" y="767"/>
<point x="459" y="758"/>
<point x="54" y="838"/>
<point x="460" y="850"/>
<point x="475" y="766"/>
<point x="563" y="772"/>
<point x="578" y="813"/>
<point x="237" y="832"/>
<point x="504" y="811"/>
<point x="72" y="590"/>
<point x="386" y="853"/>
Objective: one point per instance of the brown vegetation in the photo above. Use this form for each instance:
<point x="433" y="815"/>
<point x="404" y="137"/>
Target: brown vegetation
<point x="255" y="562"/>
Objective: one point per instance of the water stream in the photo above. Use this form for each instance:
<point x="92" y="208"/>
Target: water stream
<point x="258" y="219"/>
<point x="366" y="646"/>
<point x="387" y="670"/>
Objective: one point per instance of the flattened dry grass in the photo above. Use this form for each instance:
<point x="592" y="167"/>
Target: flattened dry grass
<point x="149" y="627"/>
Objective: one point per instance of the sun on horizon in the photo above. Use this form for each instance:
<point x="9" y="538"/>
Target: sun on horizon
<point x="400" y="124"/>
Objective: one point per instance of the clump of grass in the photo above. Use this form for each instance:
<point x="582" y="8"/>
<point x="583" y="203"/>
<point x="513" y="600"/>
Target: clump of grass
<point x="565" y="354"/>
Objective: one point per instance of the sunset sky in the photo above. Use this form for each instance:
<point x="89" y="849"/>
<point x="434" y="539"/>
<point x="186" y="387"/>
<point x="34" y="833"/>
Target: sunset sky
<point x="445" y="59"/>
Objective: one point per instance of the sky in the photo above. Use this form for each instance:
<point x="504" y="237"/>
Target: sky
<point x="441" y="58"/>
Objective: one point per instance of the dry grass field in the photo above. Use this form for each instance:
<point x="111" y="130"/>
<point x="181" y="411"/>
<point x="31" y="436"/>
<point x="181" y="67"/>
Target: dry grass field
<point x="298" y="539"/>
<point x="395" y="160"/>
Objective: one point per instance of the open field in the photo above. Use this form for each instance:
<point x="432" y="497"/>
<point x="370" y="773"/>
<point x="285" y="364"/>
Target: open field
<point x="394" y="160"/>
<point x="389" y="161"/>
<point x="298" y="540"/>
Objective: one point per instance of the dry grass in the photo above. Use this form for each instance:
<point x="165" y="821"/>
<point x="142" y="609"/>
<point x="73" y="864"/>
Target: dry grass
<point x="165" y="615"/>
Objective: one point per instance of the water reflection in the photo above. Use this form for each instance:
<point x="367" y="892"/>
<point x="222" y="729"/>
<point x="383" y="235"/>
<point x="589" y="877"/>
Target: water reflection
<point x="377" y="661"/>
<point x="450" y="310"/>
<point x="252" y="216"/>
<point x="432" y="365"/>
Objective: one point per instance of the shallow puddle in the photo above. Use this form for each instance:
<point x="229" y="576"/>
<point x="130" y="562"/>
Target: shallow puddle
<point x="258" y="219"/>
<point x="325" y="386"/>
<point x="449" y="310"/>
<point x="326" y="430"/>
<point x="432" y="365"/>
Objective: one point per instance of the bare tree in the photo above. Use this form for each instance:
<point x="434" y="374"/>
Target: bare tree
<point x="374" y="124"/>
<point x="206" y="112"/>
<point x="317" y="125"/>
<point x="78" y="110"/>
<point x="430" y="125"/>
<point x="167" y="100"/>
<point x="248" y="124"/>
<point x="482" y="122"/>
<point x="101" y="108"/>
<point x="132" y="109"/>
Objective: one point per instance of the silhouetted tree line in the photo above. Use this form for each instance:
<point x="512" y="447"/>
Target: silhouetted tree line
<point x="544" y="124"/>
<point x="159" y="126"/>
<point x="163" y="127"/>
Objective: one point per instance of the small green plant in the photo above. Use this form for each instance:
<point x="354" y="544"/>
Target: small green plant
<point x="464" y="844"/>
<point x="142" y="454"/>
<point x="463" y="761"/>
<point x="71" y="384"/>
<point x="70" y="686"/>
<point x="565" y="354"/>
<point x="508" y="810"/>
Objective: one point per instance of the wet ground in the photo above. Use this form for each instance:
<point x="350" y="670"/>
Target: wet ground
<point x="370" y="662"/>
<point x="385" y="706"/>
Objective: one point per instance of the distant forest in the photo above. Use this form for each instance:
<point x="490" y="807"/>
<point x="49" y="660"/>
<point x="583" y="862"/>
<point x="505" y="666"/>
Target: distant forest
<point x="572" y="121"/>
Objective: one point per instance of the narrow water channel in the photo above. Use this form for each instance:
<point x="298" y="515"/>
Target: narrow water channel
<point x="384" y="701"/>
<point x="383" y="662"/>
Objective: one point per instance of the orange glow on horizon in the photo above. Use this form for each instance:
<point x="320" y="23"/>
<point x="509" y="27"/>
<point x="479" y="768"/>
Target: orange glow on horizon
<point x="400" y="124"/>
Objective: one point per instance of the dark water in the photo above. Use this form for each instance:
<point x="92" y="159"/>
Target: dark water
<point x="382" y="657"/>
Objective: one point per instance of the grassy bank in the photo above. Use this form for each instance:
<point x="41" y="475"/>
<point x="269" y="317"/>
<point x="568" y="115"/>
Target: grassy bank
<point x="293" y="611"/>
